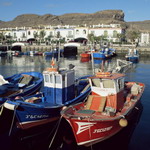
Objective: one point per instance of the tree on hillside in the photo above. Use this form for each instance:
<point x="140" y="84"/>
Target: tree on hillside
<point x="121" y="37"/>
<point x="133" y="36"/>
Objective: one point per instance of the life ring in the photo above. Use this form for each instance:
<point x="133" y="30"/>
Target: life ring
<point x="103" y="74"/>
<point x="51" y="69"/>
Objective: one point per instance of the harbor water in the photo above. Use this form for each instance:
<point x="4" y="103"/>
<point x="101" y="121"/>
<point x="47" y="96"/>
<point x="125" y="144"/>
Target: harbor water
<point x="136" y="136"/>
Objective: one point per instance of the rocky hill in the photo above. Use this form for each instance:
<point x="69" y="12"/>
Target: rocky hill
<point x="106" y="17"/>
<point x="143" y="26"/>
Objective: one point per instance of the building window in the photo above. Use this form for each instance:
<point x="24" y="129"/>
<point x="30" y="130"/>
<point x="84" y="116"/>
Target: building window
<point x="23" y="35"/>
<point x="51" y="33"/>
<point x="84" y="31"/>
<point x="115" y="34"/>
<point x="77" y="31"/>
<point x="15" y="35"/>
<point x="93" y="32"/>
<point x="29" y="33"/>
<point x="105" y="33"/>
<point x="70" y="35"/>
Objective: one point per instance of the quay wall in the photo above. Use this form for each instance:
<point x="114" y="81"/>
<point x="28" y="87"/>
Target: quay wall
<point x="120" y="50"/>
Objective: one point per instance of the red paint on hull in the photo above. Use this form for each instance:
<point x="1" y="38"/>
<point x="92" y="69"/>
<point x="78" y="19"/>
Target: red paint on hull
<point x="87" y="133"/>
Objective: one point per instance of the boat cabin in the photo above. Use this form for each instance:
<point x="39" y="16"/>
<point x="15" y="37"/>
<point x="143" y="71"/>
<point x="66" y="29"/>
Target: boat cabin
<point x="59" y="85"/>
<point x="108" y="88"/>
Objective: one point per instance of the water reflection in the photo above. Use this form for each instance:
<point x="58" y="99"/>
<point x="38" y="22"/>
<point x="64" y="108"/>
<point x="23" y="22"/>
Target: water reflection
<point x="139" y="72"/>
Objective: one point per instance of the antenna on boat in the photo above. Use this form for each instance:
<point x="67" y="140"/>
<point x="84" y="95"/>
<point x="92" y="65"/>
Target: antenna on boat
<point x="102" y="66"/>
<point x="52" y="62"/>
<point x="58" y="52"/>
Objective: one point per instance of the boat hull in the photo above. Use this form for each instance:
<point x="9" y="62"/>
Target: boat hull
<point x="31" y="89"/>
<point x="90" y="132"/>
<point x="85" y="55"/>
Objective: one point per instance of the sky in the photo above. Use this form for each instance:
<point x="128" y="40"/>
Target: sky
<point x="134" y="10"/>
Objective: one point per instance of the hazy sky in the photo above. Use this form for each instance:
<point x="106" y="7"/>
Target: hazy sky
<point x="135" y="10"/>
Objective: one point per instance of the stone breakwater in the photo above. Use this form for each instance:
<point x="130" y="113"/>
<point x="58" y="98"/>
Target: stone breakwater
<point x="145" y="51"/>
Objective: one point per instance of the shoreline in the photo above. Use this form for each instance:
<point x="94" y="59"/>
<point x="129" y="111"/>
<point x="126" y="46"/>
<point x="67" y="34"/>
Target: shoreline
<point x="121" y="50"/>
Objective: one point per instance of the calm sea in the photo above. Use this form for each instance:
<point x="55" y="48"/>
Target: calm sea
<point x="136" y="136"/>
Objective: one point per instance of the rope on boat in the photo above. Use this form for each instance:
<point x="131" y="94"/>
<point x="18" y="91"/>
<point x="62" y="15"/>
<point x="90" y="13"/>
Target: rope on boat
<point x="12" y="121"/>
<point x="1" y="109"/>
<point x="57" y="127"/>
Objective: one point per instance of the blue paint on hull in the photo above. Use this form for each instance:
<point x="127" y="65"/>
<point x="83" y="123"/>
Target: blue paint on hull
<point x="32" y="88"/>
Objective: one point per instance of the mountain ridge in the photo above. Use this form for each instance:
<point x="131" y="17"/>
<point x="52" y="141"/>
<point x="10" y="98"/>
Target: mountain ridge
<point x="99" y="17"/>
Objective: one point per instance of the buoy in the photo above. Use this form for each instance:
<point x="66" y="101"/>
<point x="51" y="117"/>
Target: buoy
<point x="64" y="107"/>
<point x="123" y="122"/>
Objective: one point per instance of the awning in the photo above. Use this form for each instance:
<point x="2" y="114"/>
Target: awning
<point x="18" y="44"/>
<point x="72" y="44"/>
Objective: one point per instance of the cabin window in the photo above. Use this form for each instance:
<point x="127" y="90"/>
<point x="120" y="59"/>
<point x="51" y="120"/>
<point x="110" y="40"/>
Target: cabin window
<point x="51" y="79"/>
<point x="58" y="79"/>
<point x="120" y="83"/>
<point x="108" y="83"/>
<point x="63" y="77"/>
<point x="96" y="82"/>
<point x="46" y="78"/>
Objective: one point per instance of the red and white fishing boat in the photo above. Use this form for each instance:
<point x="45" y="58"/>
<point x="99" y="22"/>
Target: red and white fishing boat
<point x="86" y="54"/>
<point x="106" y="110"/>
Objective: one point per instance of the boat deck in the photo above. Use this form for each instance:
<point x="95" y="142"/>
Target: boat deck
<point x="98" y="109"/>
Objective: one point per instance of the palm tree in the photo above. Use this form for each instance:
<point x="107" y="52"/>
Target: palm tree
<point x="91" y="37"/>
<point x="49" y="38"/>
<point x="42" y="35"/>
<point x="35" y="34"/>
<point x="2" y="37"/>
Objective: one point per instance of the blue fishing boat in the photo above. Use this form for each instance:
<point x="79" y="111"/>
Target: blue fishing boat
<point x="60" y="89"/>
<point x="132" y="55"/>
<point x="22" y="84"/>
<point x="105" y="53"/>
<point x="55" y="52"/>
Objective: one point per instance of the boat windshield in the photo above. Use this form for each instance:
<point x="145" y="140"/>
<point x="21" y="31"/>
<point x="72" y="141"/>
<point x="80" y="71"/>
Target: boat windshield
<point x="96" y="82"/>
<point x="103" y="83"/>
<point x="108" y="84"/>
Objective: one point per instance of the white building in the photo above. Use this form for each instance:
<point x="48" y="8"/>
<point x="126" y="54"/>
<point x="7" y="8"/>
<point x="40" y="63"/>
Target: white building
<point x="67" y="32"/>
<point x="108" y="33"/>
<point x="145" y="39"/>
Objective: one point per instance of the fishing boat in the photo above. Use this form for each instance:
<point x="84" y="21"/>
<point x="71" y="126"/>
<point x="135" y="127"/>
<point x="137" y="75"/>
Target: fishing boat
<point x="132" y="55"/>
<point x="105" y="53"/>
<point x="60" y="89"/>
<point x="106" y="111"/>
<point x="22" y="84"/>
<point x="86" y="54"/>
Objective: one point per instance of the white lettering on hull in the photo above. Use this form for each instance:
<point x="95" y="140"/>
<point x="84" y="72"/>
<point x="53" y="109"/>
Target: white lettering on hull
<point x="102" y="130"/>
<point x="36" y="116"/>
